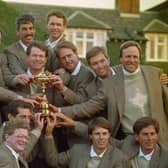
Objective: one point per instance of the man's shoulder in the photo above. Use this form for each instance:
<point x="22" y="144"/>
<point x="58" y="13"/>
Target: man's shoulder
<point x="86" y="72"/>
<point x="13" y="46"/>
<point x="150" y="68"/>
<point x="80" y="147"/>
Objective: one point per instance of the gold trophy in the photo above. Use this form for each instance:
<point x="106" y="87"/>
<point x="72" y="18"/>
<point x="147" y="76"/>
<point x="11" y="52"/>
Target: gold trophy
<point x="43" y="80"/>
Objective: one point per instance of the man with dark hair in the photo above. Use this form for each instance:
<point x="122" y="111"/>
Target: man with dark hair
<point x="16" y="53"/>
<point x="135" y="91"/>
<point x="99" y="153"/>
<point x="19" y="109"/>
<point x="99" y="62"/>
<point x="56" y="24"/>
<point x="80" y="75"/>
<point x="15" y="138"/>
<point x="144" y="149"/>
<point x="37" y="55"/>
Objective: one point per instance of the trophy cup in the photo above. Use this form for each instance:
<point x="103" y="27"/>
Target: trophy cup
<point x="43" y="81"/>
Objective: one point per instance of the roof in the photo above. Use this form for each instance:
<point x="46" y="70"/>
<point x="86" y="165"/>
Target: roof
<point x="156" y="26"/>
<point x="107" y="19"/>
<point x="163" y="5"/>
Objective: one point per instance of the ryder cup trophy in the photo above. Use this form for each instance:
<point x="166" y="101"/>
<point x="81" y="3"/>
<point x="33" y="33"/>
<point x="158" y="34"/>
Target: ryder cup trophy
<point x="43" y="80"/>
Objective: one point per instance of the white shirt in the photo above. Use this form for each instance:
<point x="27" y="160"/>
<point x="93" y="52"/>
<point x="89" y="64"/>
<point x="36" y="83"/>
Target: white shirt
<point x="16" y="155"/>
<point x="147" y="157"/>
<point x="23" y="45"/>
<point x="77" y="69"/>
<point x="53" y="43"/>
<point x="94" y="154"/>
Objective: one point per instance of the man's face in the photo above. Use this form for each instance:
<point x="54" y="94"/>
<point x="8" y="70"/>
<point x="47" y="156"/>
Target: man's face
<point x="147" y="138"/>
<point x="68" y="59"/>
<point x="37" y="59"/>
<point x="25" y="114"/>
<point x="100" y="65"/>
<point x="55" y="27"/>
<point x="100" y="139"/>
<point x="26" y="33"/>
<point x="18" y="140"/>
<point x="130" y="59"/>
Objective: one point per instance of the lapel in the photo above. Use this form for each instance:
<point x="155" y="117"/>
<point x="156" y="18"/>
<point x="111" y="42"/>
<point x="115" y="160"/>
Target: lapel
<point x="119" y="89"/>
<point x="106" y="161"/>
<point x="152" y="84"/>
<point x="22" y="162"/>
<point x="83" y="161"/>
<point x="154" y="163"/>
<point x="13" y="159"/>
<point x="20" y="54"/>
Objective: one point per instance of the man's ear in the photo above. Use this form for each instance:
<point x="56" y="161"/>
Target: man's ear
<point x="10" y="116"/>
<point x="90" y="137"/>
<point x="6" y="136"/>
<point x="136" y="137"/>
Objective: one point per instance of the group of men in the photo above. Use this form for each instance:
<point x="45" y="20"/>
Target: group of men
<point x="121" y="102"/>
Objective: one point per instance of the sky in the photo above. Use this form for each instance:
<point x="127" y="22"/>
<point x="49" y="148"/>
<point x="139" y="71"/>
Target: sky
<point x="108" y="4"/>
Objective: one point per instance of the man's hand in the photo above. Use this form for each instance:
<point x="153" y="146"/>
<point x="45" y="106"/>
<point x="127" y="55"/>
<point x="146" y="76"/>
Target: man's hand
<point x="23" y="79"/>
<point x="65" y="121"/>
<point x="38" y="97"/>
<point x="38" y="121"/>
<point x="31" y="101"/>
<point x="51" y="122"/>
<point x="53" y="108"/>
<point x="57" y="82"/>
<point x="164" y="79"/>
<point x="59" y="71"/>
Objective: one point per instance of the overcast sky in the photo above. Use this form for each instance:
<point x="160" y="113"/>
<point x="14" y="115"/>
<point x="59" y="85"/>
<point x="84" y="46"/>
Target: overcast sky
<point x="145" y="4"/>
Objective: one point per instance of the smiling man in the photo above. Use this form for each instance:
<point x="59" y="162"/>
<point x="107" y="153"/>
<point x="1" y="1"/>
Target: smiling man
<point x="37" y="55"/>
<point x="80" y="75"/>
<point x="56" y="25"/>
<point x="15" y="139"/>
<point x="16" y="53"/>
<point x="144" y="148"/>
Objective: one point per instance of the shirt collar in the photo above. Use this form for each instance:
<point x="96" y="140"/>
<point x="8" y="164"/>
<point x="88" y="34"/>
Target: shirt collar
<point x="30" y="74"/>
<point x="94" y="154"/>
<point x="53" y="43"/>
<point x="16" y="155"/>
<point x="147" y="157"/>
<point x="77" y="69"/>
<point x="23" y="45"/>
<point x="126" y="73"/>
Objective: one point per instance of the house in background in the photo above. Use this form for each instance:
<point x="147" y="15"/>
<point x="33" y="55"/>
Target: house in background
<point x="88" y="27"/>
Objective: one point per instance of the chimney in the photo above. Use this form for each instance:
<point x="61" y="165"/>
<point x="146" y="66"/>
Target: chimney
<point x="128" y="6"/>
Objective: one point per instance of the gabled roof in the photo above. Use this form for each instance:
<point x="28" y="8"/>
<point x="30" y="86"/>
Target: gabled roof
<point x="163" y="5"/>
<point x="156" y="26"/>
<point x="74" y="20"/>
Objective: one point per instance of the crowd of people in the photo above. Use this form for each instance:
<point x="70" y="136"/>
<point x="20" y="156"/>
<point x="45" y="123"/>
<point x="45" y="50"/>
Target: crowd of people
<point x="100" y="116"/>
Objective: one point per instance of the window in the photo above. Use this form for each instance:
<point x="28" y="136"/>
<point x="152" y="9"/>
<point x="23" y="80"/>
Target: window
<point x="86" y="39"/>
<point x="157" y="47"/>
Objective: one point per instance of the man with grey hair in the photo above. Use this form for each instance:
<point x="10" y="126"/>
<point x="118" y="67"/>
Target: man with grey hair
<point x="15" y="138"/>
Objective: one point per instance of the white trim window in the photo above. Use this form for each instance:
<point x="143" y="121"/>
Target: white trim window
<point x="157" y="47"/>
<point x="86" y="39"/>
